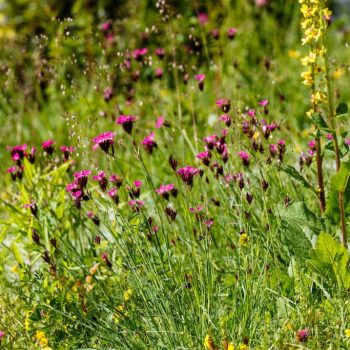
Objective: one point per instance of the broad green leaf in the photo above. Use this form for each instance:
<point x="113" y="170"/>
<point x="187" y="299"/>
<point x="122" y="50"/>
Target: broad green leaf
<point x="16" y="252"/>
<point x="339" y="183"/>
<point x="288" y="169"/>
<point x="296" y="240"/>
<point x="298" y="214"/>
<point x="330" y="259"/>
<point x="342" y="108"/>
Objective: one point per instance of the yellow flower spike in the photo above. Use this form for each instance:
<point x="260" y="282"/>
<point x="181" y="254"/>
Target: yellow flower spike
<point x="128" y="294"/>
<point x="347" y="332"/>
<point x="243" y="346"/>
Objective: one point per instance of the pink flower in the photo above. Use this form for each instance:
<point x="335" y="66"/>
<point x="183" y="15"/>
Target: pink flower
<point x="302" y="335"/>
<point x="231" y="33"/>
<point x="187" y="173"/>
<point x="261" y="3"/>
<point x="225" y="104"/>
<point x="17" y="152"/>
<point x="204" y="157"/>
<point x="160" y="52"/>
<point x="126" y="121"/>
<point x="105" y="26"/>
<point x="200" y="77"/>
<point x="117" y="180"/>
<point x="159" y="73"/>
<point x="164" y="190"/>
<point x="138" y="183"/>
<point x="107" y="93"/>
<point x="329" y="137"/>
<point x="136" y="204"/>
<point x="208" y="223"/>
<point x="81" y="178"/>
<point x="226" y="119"/>
<point x="138" y="54"/>
<point x="148" y="143"/>
<point x="251" y="113"/>
<point x="67" y="151"/>
<point x="245" y="157"/>
<point x="347" y="141"/>
<point x="273" y="149"/>
<point x="202" y="18"/>
<point x="113" y="194"/>
<point x="102" y="180"/>
<point x="2" y="334"/>
<point x="105" y="141"/>
<point x="263" y="103"/>
<point x="210" y="141"/>
<point x="312" y="144"/>
<point x="160" y="122"/>
<point x="196" y="209"/>
<point x="48" y="146"/>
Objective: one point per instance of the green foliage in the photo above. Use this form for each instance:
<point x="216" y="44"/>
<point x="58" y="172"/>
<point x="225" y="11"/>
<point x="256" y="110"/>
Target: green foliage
<point x="330" y="260"/>
<point x="339" y="183"/>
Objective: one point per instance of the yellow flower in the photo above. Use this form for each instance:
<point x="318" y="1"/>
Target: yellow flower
<point x="128" y="294"/>
<point x="43" y="342"/>
<point x="317" y="97"/>
<point x="39" y="335"/>
<point x="243" y="239"/>
<point x="339" y="72"/>
<point x="293" y="54"/>
<point x="327" y="13"/>
<point x="243" y="346"/>
<point x="231" y="347"/>
<point x="309" y="59"/>
<point x="347" y="333"/>
<point x="209" y="343"/>
<point x="307" y="78"/>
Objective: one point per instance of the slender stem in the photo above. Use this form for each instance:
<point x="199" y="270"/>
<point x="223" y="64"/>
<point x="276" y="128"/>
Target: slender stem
<point x="333" y="124"/>
<point x="321" y="192"/>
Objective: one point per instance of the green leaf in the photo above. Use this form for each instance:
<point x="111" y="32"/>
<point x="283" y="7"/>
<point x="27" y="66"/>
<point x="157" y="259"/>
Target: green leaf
<point x="342" y="108"/>
<point x="320" y="122"/>
<point x="288" y="169"/>
<point x="339" y="183"/>
<point x="16" y="252"/>
<point x="297" y="214"/>
<point x="330" y="259"/>
<point x="296" y="240"/>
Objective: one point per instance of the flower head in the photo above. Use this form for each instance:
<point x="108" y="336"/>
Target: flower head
<point x="102" y="180"/>
<point x="245" y="157"/>
<point x="160" y="52"/>
<point x="159" y="123"/>
<point x="48" y="146"/>
<point x="138" y="54"/>
<point x="231" y="33"/>
<point x="165" y="190"/>
<point x="302" y="335"/>
<point x="187" y="173"/>
<point x="148" y="143"/>
<point x="127" y="122"/>
<point x="81" y="177"/>
<point x="105" y="141"/>
<point x="225" y="104"/>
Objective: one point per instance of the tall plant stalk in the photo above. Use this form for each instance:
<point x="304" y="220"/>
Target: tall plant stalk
<point x="316" y="16"/>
